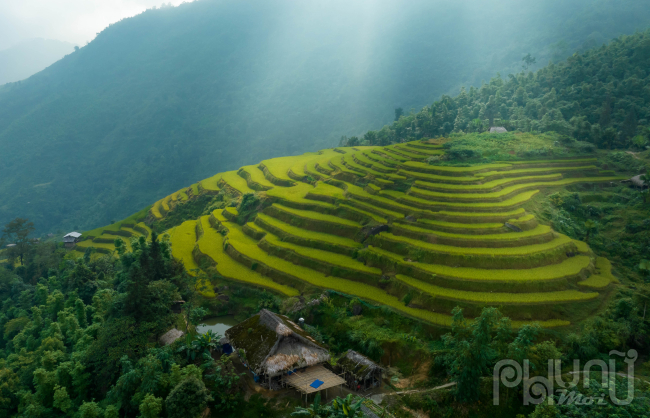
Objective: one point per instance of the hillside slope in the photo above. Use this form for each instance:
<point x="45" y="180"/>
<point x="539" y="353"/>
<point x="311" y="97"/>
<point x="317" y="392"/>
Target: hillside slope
<point x="168" y="97"/>
<point x="382" y="224"/>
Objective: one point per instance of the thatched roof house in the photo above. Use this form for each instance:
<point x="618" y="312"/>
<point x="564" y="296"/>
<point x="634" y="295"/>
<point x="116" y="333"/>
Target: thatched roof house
<point x="170" y="336"/>
<point x="637" y="181"/>
<point x="360" y="372"/>
<point x="275" y="345"/>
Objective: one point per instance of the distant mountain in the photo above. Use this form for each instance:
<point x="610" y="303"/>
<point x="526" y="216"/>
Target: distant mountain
<point x="173" y="95"/>
<point x="29" y="57"/>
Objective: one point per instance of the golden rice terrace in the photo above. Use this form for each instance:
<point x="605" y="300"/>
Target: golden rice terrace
<point x="382" y="224"/>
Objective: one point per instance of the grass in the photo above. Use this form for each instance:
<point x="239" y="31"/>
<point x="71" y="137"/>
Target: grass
<point x="568" y="161"/>
<point x="604" y="276"/>
<point x="236" y="182"/>
<point x="279" y="167"/>
<point x="350" y="163"/>
<point x="295" y="196"/>
<point x="327" y="191"/>
<point x="532" y="171"/>
<point x="539" y="230"/>
<point x="309" y="235"/>
<point x="524" y="250"/>
<point x="463" y="188"/>
<point x="110" y="247"/>
<point x="418" y="202"/>
<point x="165" y="203"/>
<point x="132" y="219"/>
<point x="568" y="268"/>
<point x="405" y="153"/>
<point x="211" y="183"/>
<point x="512" y="189"/>
<point x="385" y="213"/>
<point x="420" y="152"/>
<point x="183" y="239"/>
<point x="456" y="225"/>
<point x="434" y="178"/>
<point x="321" y="161"/>
<point x="374" y="156"/>
<point x="513" y="213"/>
<point x="306" y="238"/>
<point x="337" y="163"/>
<point x="248" y="247"/>
<point x="362" y="158"/>
<point x="582" y="246"/>
<point x="299" y="166"/>
<point x="393" y="154"/>
<point x="563" y="296"/>
<point x="370" y="215"/>
<point x="211" y="244"/>
<point x="306" y="214"/>
<point x="334" y="259"/>
<point x="446" y="169"/>
<point x="256" y="176"/>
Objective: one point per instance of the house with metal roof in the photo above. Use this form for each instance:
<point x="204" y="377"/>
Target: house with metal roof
<point x="71" y="238"/>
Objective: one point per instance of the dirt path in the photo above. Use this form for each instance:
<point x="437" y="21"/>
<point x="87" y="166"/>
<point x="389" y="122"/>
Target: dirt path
<point x="633" y="154"/>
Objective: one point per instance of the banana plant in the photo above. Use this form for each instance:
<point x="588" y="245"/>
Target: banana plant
<point x="315" y="410"/>
<point x="344" y="407"/>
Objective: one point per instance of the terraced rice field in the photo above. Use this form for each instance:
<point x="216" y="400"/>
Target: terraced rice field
<point x="382" y="224"/>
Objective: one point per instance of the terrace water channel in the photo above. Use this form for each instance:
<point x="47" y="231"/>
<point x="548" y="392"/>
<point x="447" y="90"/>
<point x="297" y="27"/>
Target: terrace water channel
<point x="218" y="324"/>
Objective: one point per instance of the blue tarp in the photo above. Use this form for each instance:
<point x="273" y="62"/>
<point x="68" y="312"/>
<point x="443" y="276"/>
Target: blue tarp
<point x="316" y="384"/>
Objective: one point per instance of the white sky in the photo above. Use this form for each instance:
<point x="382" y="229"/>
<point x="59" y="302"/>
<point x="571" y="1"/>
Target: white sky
<point x="74" y="21"/>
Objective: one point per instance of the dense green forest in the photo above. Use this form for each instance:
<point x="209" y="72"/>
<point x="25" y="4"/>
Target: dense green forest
<point x="173" y="95"/>
<point x="600" y="97"/>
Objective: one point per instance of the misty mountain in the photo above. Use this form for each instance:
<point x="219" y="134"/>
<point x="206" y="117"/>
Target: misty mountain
<point x="29" y="57"/>
<point x="174" y="95"/>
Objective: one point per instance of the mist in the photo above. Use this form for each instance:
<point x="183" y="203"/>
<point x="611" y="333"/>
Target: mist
<point x="173" y="95"/>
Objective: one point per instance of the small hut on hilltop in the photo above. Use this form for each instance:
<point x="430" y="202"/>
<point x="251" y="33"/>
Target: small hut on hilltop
<point x="71" y="238"/>
<point x="359" y="371"/>
<point x="279" y="353"/>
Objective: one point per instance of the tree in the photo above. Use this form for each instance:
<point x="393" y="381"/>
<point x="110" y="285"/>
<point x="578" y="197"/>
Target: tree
<point x="149" y="291"/>
<point x="353" y="141"/>
<point x="151" y="407"/>
<point x="469" y="351"/>
<point x="188" y="399"/>
<point x="370" y="137"/>
<point x="398" y="113"/>
<point x="528" y="61"/>
<point x="17" y="232"/>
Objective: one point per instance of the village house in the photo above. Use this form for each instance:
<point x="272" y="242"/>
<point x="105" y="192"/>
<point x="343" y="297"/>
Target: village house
<point x="71" y="238"/>
<point x="279" y="353"/>
<point x="359" y="371"/>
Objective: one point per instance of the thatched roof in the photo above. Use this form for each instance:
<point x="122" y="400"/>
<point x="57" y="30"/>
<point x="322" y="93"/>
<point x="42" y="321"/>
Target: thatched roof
<point x="636" y="180"/>
<point x="170" y="336"/>
<point x="274" y="344"/>
<point x="358" y="365"/>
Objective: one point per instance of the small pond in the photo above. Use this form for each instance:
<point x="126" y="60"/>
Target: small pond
<point x="218" y="324"/>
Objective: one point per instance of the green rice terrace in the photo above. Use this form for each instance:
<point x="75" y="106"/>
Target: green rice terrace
<point x="386" y="225"/>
